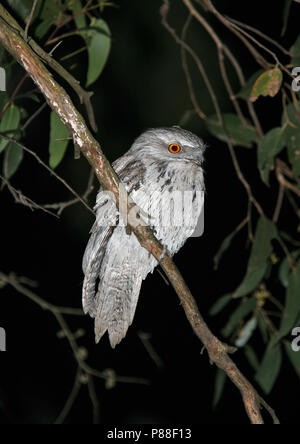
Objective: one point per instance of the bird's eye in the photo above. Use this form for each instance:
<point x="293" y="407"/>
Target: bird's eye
<point x="174" y="148"/>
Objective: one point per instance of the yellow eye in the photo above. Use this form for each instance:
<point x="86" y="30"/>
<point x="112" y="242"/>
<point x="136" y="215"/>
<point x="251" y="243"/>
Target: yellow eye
<point x="174" y="148"/>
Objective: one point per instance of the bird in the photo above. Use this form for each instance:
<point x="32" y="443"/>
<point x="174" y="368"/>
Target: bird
<point x="162" y="173"/>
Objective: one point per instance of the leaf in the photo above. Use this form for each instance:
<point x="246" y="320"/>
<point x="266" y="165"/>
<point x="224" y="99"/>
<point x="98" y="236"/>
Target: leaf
<point x="292" y="306"/>
<point x="10" y="121"/>
<point x="294" y="357"/>
<point x="12" y="160"/>
<point x="219" y="386"/>
<point x="295" y="51"/>
<point x="251" y="357"/>
<point x="268" y="148"/>
<point x="223" y="248"/>
<point x="285" y="269"/>
<point x="57" y="148"/>
<point x="269" y="368"/>
<point x="79" y="17"/>
<point x="263" y="328"/>
<point x="220" y="304"/>
<point x="286" y="14"/>
<point x="267" y="84"/>
<point x="291" y="120"/>
<point x="98" y="42"/>
<point x="240" y="135"/>
<point x="49" y="15"/>
<point x="23" y="8"/>
<point x="243" y="310"/>
<point x="245" y="92"/>
<point x="261" y="250"/>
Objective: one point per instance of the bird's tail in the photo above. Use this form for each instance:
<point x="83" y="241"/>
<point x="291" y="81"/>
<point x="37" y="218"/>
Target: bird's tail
<point x="122" y="271"/>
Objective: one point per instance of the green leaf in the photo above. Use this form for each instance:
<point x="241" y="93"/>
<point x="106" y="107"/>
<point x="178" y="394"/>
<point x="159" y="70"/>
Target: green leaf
<point x="23" y="8"/>
<point x="267" y="84"/>
<point x="240" y="135"/>
<point x="286" y="15"/>
<point x="251" y="357"/>
<point x="49" y="15"/>
<point x="263" y="327"/>
<point x="292" y="306"/>
<point x="219" y="387"/>
<point x="269" y="147"/>
<point x="98" y="42"/>
<point x="57" y="148"/>
<point x="243" y="310"/>
<point x="291" y="120"/>
<point x="294" y="357"/>
<point x="220" y="304"/>
<point x="285" y="269"/>
<point x="269" y="368"/>
<point x="12" y="160"/>
<point x="261" y="250"/>
<point x="245" y="92"/>
<point x="10" y="121"/>
<point x="79" y="17"/>
<point x="223" y="248"/>
<point x="295" y="51"/>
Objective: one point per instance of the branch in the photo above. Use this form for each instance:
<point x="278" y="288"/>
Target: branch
<point x="60" y="102"/>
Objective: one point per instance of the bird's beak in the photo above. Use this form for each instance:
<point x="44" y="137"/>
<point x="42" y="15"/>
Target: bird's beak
<point x="197" y="162"/>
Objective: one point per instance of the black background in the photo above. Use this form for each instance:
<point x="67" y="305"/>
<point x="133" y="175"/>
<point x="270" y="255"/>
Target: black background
<point x="142" y="86"/>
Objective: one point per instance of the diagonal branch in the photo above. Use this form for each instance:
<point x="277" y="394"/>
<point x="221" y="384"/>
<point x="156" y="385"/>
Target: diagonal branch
<point x="60" y="102"/>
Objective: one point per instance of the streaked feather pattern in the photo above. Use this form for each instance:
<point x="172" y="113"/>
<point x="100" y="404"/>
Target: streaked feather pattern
<point x="114" y="260"/>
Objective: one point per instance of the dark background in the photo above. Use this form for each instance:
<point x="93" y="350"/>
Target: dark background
<point x="142" y="86"/>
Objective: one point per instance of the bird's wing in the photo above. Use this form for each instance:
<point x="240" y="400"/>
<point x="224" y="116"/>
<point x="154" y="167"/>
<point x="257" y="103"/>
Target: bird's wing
<point x="130" y="173"/>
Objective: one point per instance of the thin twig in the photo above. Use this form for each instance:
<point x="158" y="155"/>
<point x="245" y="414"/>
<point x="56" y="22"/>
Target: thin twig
<point x="29" y="20"/>
<point x="189" y="81"/>
<point x="71" y="399"/>
<point x="52" y="172"/>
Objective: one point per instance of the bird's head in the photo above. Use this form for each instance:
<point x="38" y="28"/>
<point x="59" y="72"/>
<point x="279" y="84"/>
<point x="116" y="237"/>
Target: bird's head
<point x="170" y="144"/>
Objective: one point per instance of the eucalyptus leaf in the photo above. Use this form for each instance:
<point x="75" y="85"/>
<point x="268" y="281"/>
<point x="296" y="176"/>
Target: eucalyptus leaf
<point x="292" y="306"/>
<point x="269" y="369"/>
<point x="291" y="122"/>
<point x="23" y="8"/>
<point x="285" y="269"/>
<point x="49" y="14"/>
<point x="268" y="148"/>
<point x="240" y="134"/>
<point x="79" y="17"/>
<point x="223" y="248"/>
<point x="57" y="148"/>
<point x="219" y="386"/>
<point x="10" y="121"/>
<point x="98" y="42"/>
<point x="243" y="310"/>
<point x="294" y="357"/>
<point x="295" y="51"/>
<point x="261" y="250"/>
<point x="12" y="159"/>
<point x="245" y="92"/>
<point x="251" y="357"/>
<point x="220" y="304"/>
<point x="267" y="84"/>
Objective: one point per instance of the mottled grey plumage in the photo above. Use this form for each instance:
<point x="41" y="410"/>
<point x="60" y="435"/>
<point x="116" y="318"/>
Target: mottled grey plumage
<point x="114" y="260"/>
